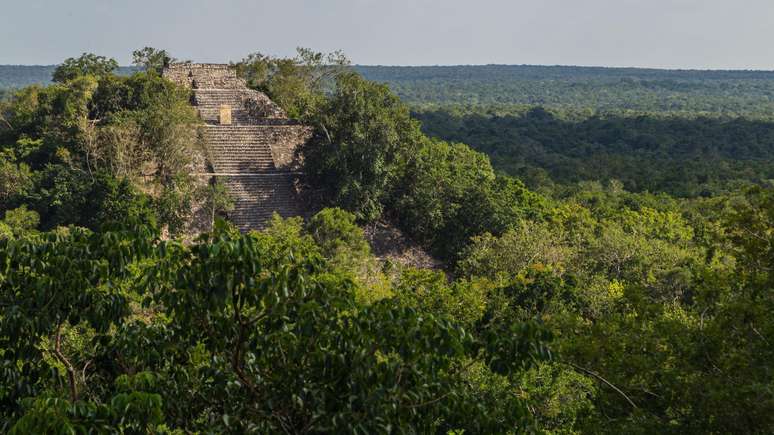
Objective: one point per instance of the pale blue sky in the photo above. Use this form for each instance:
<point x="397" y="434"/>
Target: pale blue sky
<point x="649" y="33"/>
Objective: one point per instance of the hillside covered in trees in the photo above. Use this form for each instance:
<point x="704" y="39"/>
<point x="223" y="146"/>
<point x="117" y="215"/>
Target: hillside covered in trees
<point x="728" y="92"/>
<point x="586" y="301"/>
<point x="685" y="154"/>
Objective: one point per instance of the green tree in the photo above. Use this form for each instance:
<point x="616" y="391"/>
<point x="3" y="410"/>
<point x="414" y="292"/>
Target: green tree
<point x="152" y="59"/>
<point x="336" y="233"/>
<point x="439" y="180"/>
<point x="528" y="244"/>
<point x="15" y="180"/>
<point x="366" y="138"/>
<point x="279" y="327"/>
<point x="343" y="244"/>
<point x="218" y="201"/>
<point x="86" y="64"/>
<point x="297" y="84"/>
<point x="50" y="284"/>
<point x="429" y="291"/>
<point x="21" y="221"/>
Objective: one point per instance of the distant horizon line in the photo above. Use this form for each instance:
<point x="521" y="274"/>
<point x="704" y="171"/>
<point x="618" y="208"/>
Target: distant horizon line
<point x="473" y="65"/>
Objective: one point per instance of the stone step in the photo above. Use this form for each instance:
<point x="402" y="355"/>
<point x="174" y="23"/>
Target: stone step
<point x="252" y="156"/>
<point x="214" y="114"/>
<point x="238" y="138"/>
<point x="254" y="128"/>
<point x="243" y="157"/>
<point x="250" y="153"/>
<point x="241" y="167"/>
<point x="209" y="102"/>
<point x="258" y="196"/>
<point x="226" y="146"/>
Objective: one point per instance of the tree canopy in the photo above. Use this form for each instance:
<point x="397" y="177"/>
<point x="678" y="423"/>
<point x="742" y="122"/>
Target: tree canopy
<point x="596" y="300"/>
<point x="86" y="64"/>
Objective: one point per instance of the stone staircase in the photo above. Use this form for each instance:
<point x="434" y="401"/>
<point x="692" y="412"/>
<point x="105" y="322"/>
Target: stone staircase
<point x="209" y="102"/>
<point x="258" y="196"/>
<point x="252" y="156"/>
<point x="239" y="149"/>
<point x="241" y="158"/>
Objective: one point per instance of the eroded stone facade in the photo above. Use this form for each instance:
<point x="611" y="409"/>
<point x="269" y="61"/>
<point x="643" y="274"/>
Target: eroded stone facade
<point x="204" y="76"/>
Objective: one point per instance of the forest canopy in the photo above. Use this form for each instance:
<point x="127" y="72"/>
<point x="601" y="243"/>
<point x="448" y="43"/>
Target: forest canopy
<point x="588" y="298"/>
<point x="686" y="155"/>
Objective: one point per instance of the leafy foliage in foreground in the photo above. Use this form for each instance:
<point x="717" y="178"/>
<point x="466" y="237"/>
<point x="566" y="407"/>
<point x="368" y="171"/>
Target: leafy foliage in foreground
<point x="236" y="333"/>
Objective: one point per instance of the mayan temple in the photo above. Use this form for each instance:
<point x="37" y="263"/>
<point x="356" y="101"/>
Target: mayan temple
<point x="251" y="142"/>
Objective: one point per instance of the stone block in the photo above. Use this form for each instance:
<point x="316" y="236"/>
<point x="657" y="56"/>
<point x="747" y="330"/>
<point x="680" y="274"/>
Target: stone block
<point x="225" y="114"/>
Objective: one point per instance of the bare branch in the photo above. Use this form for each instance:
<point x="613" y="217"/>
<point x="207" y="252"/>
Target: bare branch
<point x="66" y="362"/>
<point x="610" y="384"/>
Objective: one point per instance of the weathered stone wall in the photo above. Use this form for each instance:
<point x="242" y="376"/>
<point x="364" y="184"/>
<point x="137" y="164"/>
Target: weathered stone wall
<point x="204" y="76"/>
<point x="259" y="106"/>
<point x="285" y="141"/>
<point x="224" y="114"/>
